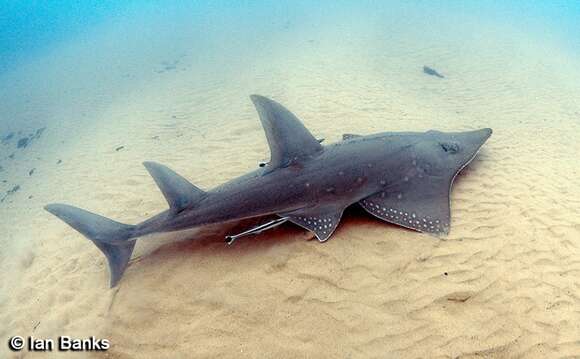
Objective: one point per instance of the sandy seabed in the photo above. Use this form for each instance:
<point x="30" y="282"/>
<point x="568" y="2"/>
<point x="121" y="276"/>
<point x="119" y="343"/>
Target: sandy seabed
<point x="504" y="284"/>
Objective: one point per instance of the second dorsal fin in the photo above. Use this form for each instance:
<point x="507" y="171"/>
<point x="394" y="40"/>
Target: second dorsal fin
<point x="178" y="191"/>
<point x="287" y="137"/>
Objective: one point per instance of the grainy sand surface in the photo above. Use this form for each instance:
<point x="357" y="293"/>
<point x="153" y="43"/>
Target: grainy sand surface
<point x="504" y="284"/>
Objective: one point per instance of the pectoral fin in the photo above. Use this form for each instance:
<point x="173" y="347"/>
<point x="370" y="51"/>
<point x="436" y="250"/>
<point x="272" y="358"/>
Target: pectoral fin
<point x="421" y="204"/>
<point x="320" y="220"/>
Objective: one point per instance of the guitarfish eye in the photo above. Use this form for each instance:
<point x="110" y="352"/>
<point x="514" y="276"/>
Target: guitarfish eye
<point x="449" y="147"/>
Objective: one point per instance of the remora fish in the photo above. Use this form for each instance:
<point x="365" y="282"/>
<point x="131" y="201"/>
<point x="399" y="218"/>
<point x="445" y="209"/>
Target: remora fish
<point x="403" y="178"/>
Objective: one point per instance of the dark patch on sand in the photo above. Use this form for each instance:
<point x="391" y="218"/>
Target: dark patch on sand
<point x="172" y="65"/>
<point x="23" y="142"/>
<point x="119" y="148"/>
<point x="27" y="140"/>
<point x="7" y="138"/>
<point x="10" y="192"/>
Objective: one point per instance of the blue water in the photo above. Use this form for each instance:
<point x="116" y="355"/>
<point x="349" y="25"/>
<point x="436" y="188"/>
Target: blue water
<point x="29" y="27"/>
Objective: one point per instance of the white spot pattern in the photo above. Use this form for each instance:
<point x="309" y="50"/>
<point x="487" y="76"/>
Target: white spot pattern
<point x="411" y="220"/>
<point x="323" y="225"/>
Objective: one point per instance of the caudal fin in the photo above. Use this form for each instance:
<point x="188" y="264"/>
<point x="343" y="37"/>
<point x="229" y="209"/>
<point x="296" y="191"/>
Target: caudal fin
<point x="111" y="237"/>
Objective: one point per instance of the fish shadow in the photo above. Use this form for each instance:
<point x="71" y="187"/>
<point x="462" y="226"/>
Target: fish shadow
<point x="211" y="241"/>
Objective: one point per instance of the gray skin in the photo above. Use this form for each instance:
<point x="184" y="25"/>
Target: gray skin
<point x="344" y="173"/>
<point x="403" y="178"/>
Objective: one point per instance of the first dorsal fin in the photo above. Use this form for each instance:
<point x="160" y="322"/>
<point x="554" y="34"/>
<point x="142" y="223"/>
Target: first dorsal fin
<point x="287" y="137"/>
<point x="178" y="191"/>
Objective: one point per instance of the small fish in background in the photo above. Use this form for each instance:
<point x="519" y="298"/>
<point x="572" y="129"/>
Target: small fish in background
<point x="429" y="71"/>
